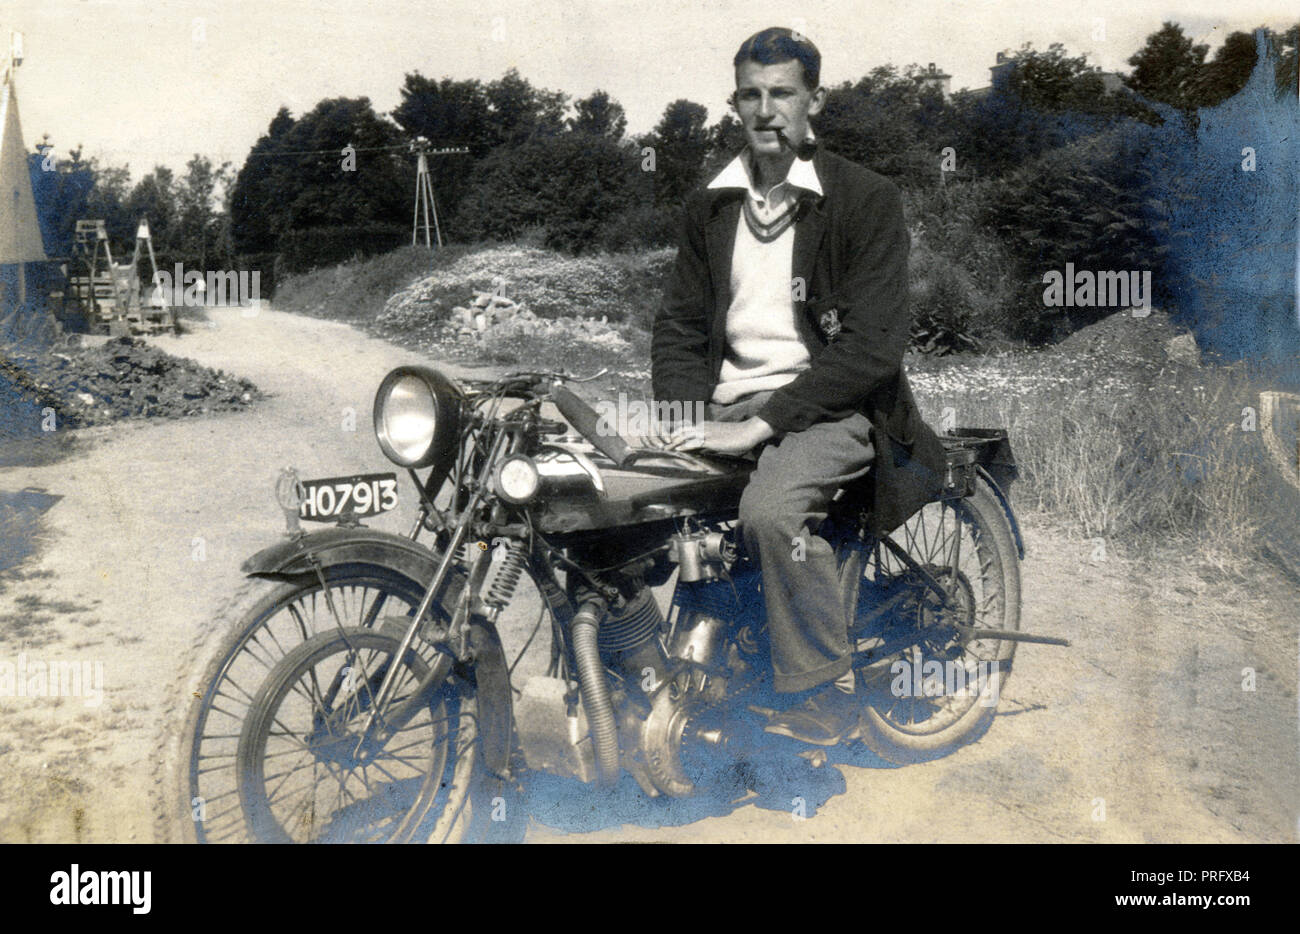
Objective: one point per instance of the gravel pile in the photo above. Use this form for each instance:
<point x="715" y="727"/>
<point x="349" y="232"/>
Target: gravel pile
<point x="487" y="317"/>
<point x="122" y="378"/>
<point x="1123" y="338"/>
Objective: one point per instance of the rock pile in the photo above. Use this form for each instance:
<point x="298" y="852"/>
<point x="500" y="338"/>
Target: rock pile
<point x="492" y="315"/>
<point x="122" y="378"/>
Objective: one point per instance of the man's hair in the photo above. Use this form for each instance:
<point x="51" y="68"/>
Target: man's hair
<point x="775" y="45"/>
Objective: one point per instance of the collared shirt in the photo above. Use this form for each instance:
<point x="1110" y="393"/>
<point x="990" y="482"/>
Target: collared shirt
<point x="769" y="206"/>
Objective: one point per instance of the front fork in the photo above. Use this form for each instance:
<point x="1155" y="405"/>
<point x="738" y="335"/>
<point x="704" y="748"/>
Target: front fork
<point x="458" y="630"/>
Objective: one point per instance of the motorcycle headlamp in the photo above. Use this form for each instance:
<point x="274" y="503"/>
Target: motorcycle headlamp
<point x="417" y="416"/>
<point x="517" y="479"/>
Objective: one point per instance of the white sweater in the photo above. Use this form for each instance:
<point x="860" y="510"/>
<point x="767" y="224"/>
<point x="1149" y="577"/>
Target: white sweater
<point x="765" y="349"/>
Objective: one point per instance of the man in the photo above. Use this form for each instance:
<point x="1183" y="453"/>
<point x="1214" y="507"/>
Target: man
<point x="787" y="314"/>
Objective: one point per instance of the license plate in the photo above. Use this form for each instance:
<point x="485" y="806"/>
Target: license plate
<point x="362" y="495"/>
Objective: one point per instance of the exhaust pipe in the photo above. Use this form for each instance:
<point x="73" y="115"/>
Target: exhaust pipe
<point x="595" y="691"/>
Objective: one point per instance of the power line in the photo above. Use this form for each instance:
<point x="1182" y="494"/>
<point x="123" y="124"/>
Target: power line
<point x="294" y="152"/>
<point x="337" y="152"/>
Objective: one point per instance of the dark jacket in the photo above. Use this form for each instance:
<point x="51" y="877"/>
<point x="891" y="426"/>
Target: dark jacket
<point x="850" y="251"/>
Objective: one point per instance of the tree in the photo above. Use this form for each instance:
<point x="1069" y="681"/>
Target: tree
<point x="1225" y="75"/>
<point x="447" y="113"/>
<point x="327" y="188"/>
<point x="198" y="196"/>
<point x="339" y="166"/>
<point x="570" y="186"/>
<point x="262" y="179"/>
<point x="521" y="112"/>
<point x="680" y="142"/>
<point x="1164" y="66"/>
<point x="107" y="200"/>
<point x="1286" y="46"/>
<point x="60" y="195"/>
<point x="726" y="139"/>
<point x="874" y="122"/>
<point x="598" y="115"/>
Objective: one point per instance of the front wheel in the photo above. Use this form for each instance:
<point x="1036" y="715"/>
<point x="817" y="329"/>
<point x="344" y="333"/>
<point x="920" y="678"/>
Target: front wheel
<point x="310" y="772"/>
<point x="930" y="686"/>
<point x="265" y="622"/>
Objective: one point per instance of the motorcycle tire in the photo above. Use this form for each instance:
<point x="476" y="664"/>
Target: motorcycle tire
<point x="439" y="764"/>
<point x="884" y="728"/>
<point x="264" y="621"/>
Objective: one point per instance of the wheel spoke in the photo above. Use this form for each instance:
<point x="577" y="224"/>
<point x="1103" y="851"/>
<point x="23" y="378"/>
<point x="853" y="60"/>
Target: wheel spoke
<point x="949" y="541"/>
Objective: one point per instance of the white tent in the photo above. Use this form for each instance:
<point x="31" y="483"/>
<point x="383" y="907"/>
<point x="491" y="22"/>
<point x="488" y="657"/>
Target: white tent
<point x="20" y="234"/>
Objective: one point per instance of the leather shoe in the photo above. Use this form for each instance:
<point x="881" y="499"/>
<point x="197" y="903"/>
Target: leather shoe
<point x="824" y="719"/>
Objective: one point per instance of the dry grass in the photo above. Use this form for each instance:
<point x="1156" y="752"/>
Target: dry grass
<point x="1152" y="459"/>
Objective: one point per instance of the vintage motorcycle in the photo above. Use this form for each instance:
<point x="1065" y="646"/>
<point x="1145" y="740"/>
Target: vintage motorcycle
<point x="363" y="693"/>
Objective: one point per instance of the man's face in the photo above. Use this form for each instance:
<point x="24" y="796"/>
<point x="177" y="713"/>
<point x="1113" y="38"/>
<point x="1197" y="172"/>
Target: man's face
<point x="771" y="97"/>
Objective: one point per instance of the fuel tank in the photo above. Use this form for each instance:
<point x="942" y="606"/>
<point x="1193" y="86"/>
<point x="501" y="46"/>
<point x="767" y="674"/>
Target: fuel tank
<point x="651" y="489"/>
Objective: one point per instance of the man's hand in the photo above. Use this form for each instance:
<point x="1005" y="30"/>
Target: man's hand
<point x="722" y="437"/>
<point x="661" y="434"/>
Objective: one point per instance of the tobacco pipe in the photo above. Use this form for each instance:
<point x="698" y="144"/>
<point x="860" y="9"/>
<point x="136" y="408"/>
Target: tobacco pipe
<point x="805" y="150"/>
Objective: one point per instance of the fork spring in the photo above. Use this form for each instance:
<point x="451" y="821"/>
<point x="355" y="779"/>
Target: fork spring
<point x="504" y="574"/>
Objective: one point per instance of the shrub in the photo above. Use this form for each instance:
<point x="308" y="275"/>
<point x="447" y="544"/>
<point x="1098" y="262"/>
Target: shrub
<point x="313" y="247"/>
<point x="1088" y="204"/>
<point x="943" y="306"/>
<point x="569" y="185"/>
<point x="959" y="273"/>
<point x="640" y="227"/>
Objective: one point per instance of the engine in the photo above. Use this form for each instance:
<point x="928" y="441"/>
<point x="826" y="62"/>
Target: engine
<point x="631" y="641"/>
<point x="652" y="693"/>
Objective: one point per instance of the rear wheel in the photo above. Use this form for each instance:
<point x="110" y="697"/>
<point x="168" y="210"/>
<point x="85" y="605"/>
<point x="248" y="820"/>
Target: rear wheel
<point x="928" y="686"/>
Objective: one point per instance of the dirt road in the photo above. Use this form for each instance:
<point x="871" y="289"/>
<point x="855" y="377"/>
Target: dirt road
<point x="1140" y="732"/>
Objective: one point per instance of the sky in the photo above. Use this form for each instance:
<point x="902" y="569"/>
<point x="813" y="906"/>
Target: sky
<point x="145" y="82"/>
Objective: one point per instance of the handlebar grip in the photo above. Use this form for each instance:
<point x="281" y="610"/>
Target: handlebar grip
<point x="584" y="418"/>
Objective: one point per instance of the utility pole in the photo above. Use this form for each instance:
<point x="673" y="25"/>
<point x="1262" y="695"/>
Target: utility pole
<point x="424" y="202"/>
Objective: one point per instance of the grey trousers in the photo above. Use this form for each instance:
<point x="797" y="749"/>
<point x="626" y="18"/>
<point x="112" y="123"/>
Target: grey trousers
<point x="780" y="511"/>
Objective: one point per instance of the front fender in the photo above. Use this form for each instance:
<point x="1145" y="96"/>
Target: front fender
<point x="292" y="556"/>
<point x="335" y="546"/>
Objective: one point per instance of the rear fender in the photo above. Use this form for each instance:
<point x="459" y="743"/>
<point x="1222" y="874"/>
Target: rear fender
<point x="996" y="464"/>
<point x="1006" y="508"/>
